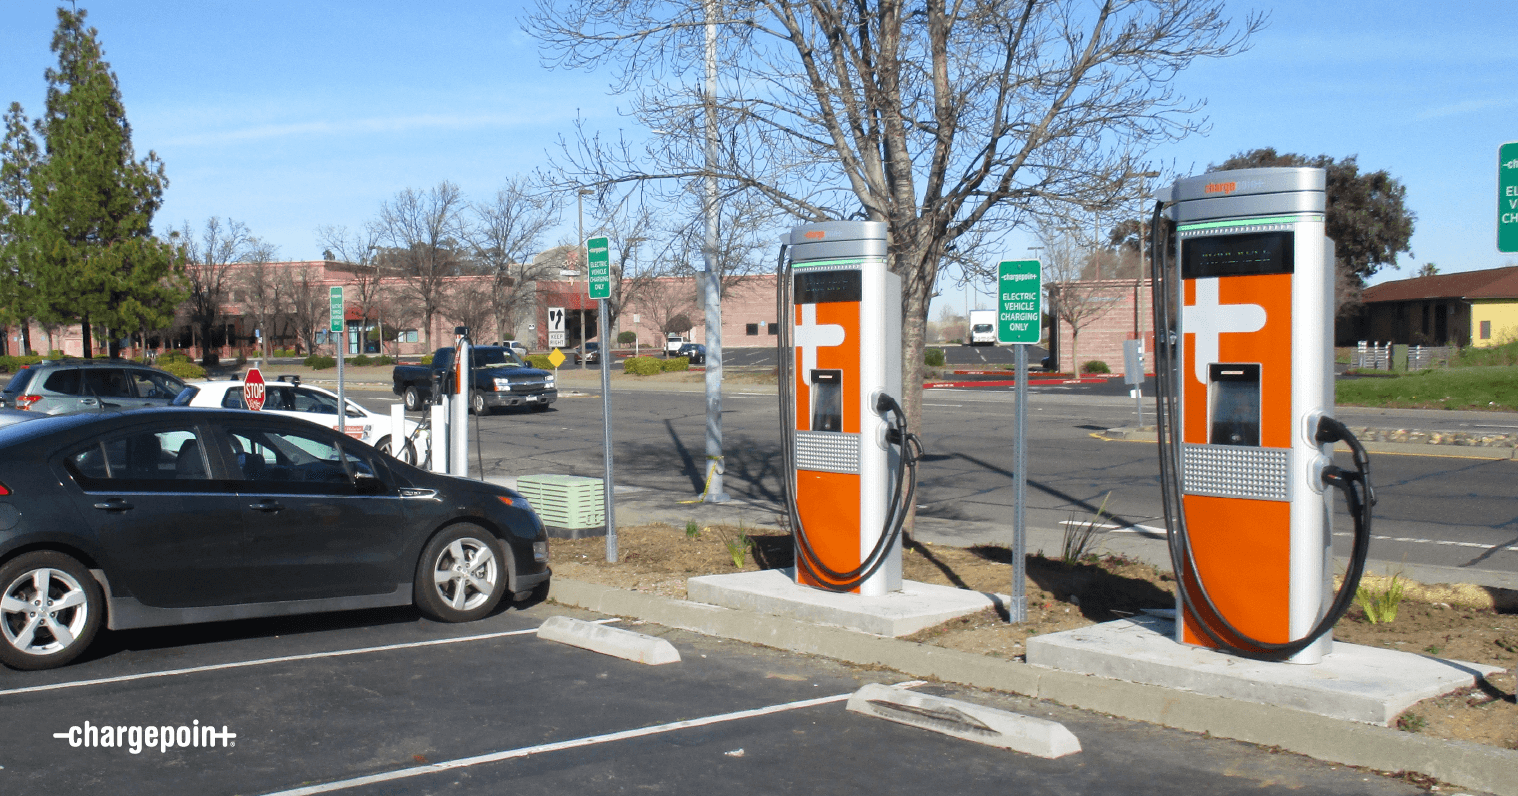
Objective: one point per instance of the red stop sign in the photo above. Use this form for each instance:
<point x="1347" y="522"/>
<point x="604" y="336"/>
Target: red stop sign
<point x="253" y="389"/>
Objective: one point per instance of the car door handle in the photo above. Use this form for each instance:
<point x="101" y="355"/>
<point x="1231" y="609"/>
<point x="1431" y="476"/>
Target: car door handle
<point x="114" y="504"/>
<point x="270" y="506"/>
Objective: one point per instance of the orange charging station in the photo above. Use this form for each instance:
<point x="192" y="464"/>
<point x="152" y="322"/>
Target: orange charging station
<point x="849" y="459"/>
<point x="1246" y="414"/>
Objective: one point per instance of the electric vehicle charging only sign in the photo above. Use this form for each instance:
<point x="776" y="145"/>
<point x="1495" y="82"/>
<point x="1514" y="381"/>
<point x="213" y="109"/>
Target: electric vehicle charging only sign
<point x="1019" y="283"/>
<point x="599" y="258"/>
<point x="1507" y="197"/>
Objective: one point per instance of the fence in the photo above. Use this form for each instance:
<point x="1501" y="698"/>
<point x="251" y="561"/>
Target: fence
<point x="1386" y="356"/>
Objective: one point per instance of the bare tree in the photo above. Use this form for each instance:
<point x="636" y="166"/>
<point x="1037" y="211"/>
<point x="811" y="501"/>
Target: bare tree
<point x="359" y="251"/>
<point x="670" y="303"/>
<point x="209" y="273"/>
<point x="263" y="290"/>
<point x="424" y="231"/>
<point x="307" y="302"/>
<point x="1074" y="294"/>
<point x="938" y="119"/>
<point x="506" y="232"/>
<point x="468" y="304"/>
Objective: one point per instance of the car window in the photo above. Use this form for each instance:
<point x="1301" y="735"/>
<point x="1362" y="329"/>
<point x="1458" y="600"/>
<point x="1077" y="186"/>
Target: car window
<point x="295" y="462"/>
<point x="154" y="385"/>
<point x="18" y="381"/>
<point x="152" y="459"/>
<point x="106" y="383"/>
<point x="63" y="381"/>
<point x="185" y="396"/>
<point x="303" y="400"/>
<point x="486" y="357"/>
<point x="233" y="399"/>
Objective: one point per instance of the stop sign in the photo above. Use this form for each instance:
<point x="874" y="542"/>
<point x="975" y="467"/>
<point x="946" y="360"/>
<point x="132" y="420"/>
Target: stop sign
<point x="253" y="389"/>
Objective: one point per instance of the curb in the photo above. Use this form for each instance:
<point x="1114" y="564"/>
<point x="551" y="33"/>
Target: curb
<point x="1461" y="763"/>
<point x="613" y="641"/>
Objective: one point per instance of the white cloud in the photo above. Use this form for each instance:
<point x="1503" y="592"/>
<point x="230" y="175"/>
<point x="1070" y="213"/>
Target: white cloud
<point x="345" y="127"/>
<point x="1466" y="106"/>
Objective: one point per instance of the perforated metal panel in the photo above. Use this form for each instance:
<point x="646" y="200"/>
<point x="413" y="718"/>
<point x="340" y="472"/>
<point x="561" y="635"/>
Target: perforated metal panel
<point x="1237" y="471"/>
<point x="827" y="451"/>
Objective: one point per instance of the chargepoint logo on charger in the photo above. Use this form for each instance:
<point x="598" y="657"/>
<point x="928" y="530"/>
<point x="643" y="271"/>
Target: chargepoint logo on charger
<point x="135" y="738"/>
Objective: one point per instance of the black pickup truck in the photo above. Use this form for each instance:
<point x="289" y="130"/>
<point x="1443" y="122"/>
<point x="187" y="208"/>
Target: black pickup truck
<point x="501" y="378"/>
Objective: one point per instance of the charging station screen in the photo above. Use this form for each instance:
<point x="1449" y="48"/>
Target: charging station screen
<point x="827" y="400"/>
<point x="1233" y="404"/>
<point x="1237" y="255"/>
<point x="820" y="287"/>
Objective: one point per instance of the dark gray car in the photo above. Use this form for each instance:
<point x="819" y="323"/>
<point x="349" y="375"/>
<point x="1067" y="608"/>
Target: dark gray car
<point x="66" y="386"/>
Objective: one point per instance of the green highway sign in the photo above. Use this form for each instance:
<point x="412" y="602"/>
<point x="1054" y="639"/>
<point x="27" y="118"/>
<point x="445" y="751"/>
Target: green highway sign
<point x="599" y="260"/>
<point x="1507" y="197"/>
<point x="1019" y="286"/>
<point x="336" y="314"/>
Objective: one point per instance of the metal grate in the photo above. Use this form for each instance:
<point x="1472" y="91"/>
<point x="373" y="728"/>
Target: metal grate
<point x="1237" y="471"/>
<point x="570" y="502"/>
<point x="827" y="451"/>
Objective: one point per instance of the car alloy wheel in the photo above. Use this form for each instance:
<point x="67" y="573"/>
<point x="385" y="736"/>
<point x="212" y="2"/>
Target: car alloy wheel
<point x="460" y="577"/>
<point x="477" y="404"/>
<point x="49" y="612"/>
<point x="406" y="454"/>
<point x="412" y="399"/>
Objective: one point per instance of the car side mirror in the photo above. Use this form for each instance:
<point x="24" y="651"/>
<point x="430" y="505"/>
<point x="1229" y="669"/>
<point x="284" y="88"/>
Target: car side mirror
<point x="368" y="484"/>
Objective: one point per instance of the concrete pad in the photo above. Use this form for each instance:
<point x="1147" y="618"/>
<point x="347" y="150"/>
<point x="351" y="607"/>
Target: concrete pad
<point x="1357" y="683"/>
<point x="775" y="592"/>
<point x="965" y="720"/>
<point x="609" y="640"/>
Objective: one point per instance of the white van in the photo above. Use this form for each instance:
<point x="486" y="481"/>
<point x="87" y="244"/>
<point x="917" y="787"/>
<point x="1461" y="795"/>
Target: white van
<point x="672" y="343"/>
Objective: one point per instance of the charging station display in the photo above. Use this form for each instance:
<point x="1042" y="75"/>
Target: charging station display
<point x="1246" y="413"/>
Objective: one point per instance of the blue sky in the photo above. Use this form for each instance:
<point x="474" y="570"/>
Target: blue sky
<point x="292" y="115"/>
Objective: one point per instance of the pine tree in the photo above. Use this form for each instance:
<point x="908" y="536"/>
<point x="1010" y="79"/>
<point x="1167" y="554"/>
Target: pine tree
<point x="93" y="202"/>
<point x="18" y="157"/>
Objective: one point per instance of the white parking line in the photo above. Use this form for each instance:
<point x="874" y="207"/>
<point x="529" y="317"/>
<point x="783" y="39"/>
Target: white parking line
<point x="263" y="661"/>
<point x="527" y="751"/>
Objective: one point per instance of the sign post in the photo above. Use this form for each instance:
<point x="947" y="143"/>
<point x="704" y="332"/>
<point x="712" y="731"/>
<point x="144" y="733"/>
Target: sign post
<point x="1507" y="198"/>
<point x="335" y="326"/>
<point x="598" y="258"/>
<point x="1019" y="319"/>
<point x="253" y="390"/>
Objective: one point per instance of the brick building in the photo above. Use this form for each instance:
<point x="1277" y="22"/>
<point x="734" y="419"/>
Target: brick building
<point x="1108" y="322"/>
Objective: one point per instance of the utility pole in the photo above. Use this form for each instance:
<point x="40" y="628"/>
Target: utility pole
<point x="580" y="253"/>
<point x="712" y="286"/>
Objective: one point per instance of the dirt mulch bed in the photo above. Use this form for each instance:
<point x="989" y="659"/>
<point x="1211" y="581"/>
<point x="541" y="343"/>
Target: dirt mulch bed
<point x="1461" y="622"/>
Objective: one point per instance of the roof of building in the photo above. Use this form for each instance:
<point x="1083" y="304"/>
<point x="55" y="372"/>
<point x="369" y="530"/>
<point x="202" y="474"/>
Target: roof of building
<point x="1492" y="283"/>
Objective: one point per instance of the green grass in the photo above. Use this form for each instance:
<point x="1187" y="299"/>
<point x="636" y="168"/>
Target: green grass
<point x="1492" y="387"/>
<point x="1505" y="354"/>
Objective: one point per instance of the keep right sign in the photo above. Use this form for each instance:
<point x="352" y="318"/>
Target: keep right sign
<point x="1019" y="287"/>
<point x="1507" y="197"/>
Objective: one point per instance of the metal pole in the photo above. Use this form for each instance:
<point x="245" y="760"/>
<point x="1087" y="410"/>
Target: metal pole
<point x="583" y="263"/>
<point x="1017" y="611"/>
<point x="458" y="416"/>
<point x="342" y="400"/>
<point x="611" y="506"/>
<point x="713" y="294"/>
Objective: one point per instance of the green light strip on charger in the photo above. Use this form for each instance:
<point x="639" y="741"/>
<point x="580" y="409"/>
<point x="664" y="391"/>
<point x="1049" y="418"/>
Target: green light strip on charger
<point x="1252" y="222"/>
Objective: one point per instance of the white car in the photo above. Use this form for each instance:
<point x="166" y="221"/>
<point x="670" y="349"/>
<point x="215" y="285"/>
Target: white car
<point x="514" y="345"/>
<point x="293" y="399"/>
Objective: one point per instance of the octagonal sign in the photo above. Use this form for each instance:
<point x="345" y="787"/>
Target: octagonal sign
<point x="253" y="389"/>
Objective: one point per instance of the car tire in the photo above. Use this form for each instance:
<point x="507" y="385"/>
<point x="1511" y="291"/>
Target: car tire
<point x="412" y="399"/>
<point x="55" y="633"/>
<point x="406" y="454"/>
<point x="477" y="404"/>
<point x="461" y="576"/>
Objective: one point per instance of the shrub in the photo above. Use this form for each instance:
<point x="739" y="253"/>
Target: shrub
<point x="55" y="354"/>
<point x="426" y="359"/>
<point x="673" y="364"/>
<point x="539" y="361"/>
<point x="627" y="338"/>
<point x="933" y="357"/>
<point x="643" y="366"/>
<point x="1095" y="366"/>
<point x="172" y="356"/>
<point x="360" y="360"/>
<point x="11" y="364"/>
<point x="320" y="362"/>
<point x="384" y="359"/>
<point x="184" y="369"/>
<point x="1380" y="600"/>
<point x="286" y="352"/>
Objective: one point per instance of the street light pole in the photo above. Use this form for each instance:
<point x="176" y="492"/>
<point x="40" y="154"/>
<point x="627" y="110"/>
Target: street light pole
<point x="714" y="492"/>
<point x="585" y="263"/>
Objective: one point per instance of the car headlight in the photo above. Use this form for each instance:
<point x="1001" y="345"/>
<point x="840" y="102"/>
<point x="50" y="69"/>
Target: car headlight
<point x="548" y="382"/>
<point x="503" y="384"/>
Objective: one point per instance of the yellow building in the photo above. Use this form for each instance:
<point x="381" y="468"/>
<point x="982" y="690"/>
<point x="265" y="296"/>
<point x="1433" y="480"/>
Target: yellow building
<point x="1471" y="308"/>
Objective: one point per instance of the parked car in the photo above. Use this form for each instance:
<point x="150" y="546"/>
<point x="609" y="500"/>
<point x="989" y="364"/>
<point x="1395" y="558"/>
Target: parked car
<point x="501" y="378"/>
<point x="9" y="416"/>
<point x="695" y="352"/>
<point x="592" y="354"/>
<point x="516" y="346"/>
<point x="290" y="398"/>
<point x="672" y="343"/>
<point x="64" y="386"/>
<point x="176" y="516"/>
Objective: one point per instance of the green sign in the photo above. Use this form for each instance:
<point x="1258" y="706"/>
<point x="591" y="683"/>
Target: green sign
<point x="1019" y="283"/>
<point x="1507" y="197"/>
<point x="599" y="260"/>
<point x="336" y="315"/>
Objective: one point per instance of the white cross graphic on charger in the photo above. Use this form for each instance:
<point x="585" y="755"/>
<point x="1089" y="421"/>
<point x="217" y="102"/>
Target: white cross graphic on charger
<point x="1208" y="319"/>
<point x="811" y="336"/>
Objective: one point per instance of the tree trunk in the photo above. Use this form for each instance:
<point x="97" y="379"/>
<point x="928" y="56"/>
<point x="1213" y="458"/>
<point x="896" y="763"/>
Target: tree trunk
<point x="26" y="336"/>
<point x="86" y="349"/>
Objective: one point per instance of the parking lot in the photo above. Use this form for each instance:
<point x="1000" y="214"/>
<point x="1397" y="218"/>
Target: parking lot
<point x="386" y="702"/>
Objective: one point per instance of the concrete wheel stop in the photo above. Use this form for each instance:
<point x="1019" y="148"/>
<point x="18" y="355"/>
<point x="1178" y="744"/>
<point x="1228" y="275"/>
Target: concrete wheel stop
<point x="1356" y="683"/>
<point x="775" y="592"/>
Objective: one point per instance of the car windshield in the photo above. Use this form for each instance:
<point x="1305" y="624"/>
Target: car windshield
<point x="495" y="357"/>
<point x="18" y="381"/>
